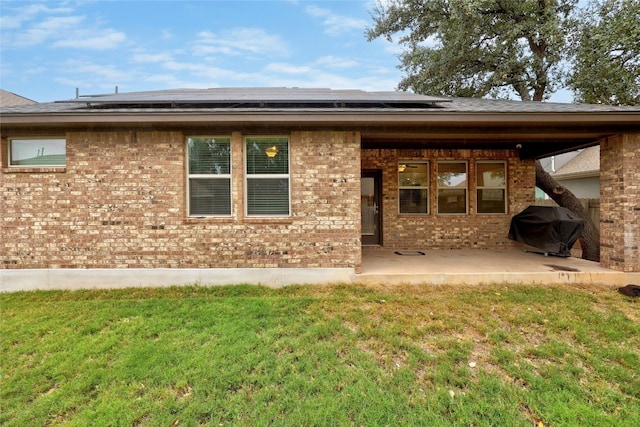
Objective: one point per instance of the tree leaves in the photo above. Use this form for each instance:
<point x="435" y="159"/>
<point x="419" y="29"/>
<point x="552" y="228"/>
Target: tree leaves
<point x="527" y="48"/>
<point x="607" y="54"/>
<point x="479" y="48"/>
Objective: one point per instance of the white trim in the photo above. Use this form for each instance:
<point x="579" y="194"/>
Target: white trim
<point x="466" y="188"/>
<point x="188" y="177"/>
<point x="505" y="188"/>
<point x="426" y="187"/>
<point x="247" y="176"/>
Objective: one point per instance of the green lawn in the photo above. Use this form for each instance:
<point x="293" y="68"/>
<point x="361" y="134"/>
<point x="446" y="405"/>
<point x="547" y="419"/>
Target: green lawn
<point x="321" y="355"/>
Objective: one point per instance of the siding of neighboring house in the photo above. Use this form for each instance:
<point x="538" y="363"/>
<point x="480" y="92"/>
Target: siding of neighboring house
<point x="583" y="188"/>
<point x="578" y="171"/>
<point x="120" y="203"/>
<point x="581" y="174"/>
<point x="450" y="231"/>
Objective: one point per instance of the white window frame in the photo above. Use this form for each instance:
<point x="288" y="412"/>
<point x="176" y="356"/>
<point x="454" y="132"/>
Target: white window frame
<point x="484" y="187"/>
<point x="426" y="187"/>
<point x="466" y="188"/>
<point x="209" y="177"/>
<point x="248" y="176"/>
<point x="36" y="140"/>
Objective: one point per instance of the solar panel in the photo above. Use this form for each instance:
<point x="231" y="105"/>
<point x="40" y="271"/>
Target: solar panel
<point x="269" y="96"/>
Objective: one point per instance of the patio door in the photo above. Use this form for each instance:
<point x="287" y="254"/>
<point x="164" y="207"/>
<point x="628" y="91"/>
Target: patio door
<point x="370" y="207"/>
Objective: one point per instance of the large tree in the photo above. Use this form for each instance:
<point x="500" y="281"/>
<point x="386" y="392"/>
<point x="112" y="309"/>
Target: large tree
<point x="494" y="48"/>
<point x="606" y="65"/>
<point x="477" y="48"/>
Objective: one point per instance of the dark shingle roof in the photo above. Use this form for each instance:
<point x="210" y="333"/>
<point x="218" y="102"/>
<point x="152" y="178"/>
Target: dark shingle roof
<point x="510" y="106"/>
<point x="287" y="99"/>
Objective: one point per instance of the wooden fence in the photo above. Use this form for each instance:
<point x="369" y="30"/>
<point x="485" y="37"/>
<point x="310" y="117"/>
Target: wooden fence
<point x="591" y="205"/>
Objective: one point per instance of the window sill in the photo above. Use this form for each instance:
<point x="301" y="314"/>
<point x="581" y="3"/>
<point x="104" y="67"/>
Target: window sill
<point x="201" y="219"/>
<point x="27" y="169"/>
<point x="267" y="220"/>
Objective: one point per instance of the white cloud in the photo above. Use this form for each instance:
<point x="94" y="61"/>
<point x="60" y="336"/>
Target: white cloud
<point x="36" y="70"/>
<point x="331" y="61"/>
<point x="192" y="67"/>
<point x="14" y="17"/>
<point x="393" y="49"/>
<point x="151" y="58"/>
<point x="98" y="72"/>
<point x="281" y="67"/>
<point x="240" y="41"/>
<point x="37" y="24"/>
<point x="171" y="81"/>
<point x="109" y="39"/>
<point x="315" y="75"/>
<point x="321" y="79"/>
<point x="204" y="71"/>
<point x="48" y="29"/>
<point x="336" y="24"/>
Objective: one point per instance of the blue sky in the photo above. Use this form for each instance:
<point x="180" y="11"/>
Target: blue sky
<point x="50" y="48"/>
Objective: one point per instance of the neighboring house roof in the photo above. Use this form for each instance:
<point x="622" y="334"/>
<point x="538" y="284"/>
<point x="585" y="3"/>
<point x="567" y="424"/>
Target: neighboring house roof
<point x="585" y="164"/>
<point x="11" y="99"/>
<point x="553" y="163"/>
<point x="403" y="119"/>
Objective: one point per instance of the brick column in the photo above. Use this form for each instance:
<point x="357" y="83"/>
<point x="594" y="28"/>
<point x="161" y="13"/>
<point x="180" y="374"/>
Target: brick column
<point x="620" y="202"/>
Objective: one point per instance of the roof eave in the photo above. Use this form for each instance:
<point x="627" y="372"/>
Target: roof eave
<point x="577" y="175"/>
<point x="383" y="117"/>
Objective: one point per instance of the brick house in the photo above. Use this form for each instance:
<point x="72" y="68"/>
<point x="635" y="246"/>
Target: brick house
<point x="286" y="184"/>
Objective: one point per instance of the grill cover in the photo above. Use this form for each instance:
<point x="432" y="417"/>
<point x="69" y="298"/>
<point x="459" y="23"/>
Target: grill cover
<point x="551" y="229"/>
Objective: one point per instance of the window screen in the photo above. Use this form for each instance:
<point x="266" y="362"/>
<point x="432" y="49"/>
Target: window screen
<point x="267" y="174"/>
<point x="209" y="176"/>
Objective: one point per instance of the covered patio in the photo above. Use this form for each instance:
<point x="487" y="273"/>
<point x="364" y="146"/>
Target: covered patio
<point x="474" y="267"/>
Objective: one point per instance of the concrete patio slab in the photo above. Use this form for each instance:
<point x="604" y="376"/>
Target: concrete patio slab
<point x="379" y="266"/>
<point x="476" y="266"/>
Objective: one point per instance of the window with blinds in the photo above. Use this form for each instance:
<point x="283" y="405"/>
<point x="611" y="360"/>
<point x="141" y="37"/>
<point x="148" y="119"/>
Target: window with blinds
<point x="209" y="176"/>
<point x="267" y="176"/>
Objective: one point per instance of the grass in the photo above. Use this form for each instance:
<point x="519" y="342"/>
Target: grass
<point x="321" y="355"/>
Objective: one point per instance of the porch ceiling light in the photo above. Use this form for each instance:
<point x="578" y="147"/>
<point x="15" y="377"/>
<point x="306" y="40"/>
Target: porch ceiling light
<point x="271" y="151"/>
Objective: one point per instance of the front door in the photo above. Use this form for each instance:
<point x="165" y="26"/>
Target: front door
<point x="370" y="207"/>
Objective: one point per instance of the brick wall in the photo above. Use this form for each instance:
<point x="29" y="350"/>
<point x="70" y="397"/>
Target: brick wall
<point x="620" y="202"/>
<point x="450" y="231"/>
<point x="120" y="203"/>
